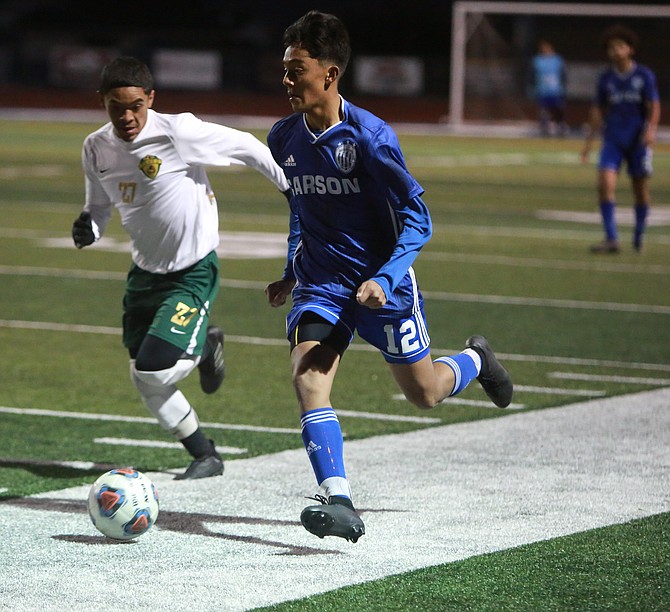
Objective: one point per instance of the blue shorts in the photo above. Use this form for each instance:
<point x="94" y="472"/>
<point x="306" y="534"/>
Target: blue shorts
<point x="398" y="329"/>
<point x="551" y="102"/>
<point x="638" y="159"/>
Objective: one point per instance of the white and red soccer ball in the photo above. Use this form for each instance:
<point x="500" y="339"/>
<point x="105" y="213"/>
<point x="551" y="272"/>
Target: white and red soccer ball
<point x="123" y="504"/>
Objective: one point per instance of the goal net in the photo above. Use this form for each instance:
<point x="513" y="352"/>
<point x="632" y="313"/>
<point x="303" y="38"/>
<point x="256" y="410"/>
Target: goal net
<point x="493" y="45"/>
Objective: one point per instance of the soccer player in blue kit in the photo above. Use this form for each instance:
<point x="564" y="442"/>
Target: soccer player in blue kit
<point x="549" y="87"/>
<point x="627" y="103"/>
<point x="358" y="221"/>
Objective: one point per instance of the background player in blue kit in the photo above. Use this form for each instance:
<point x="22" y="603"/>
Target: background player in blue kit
<point x="627" y="104"/>
<point x="549" y="88"/>
<point x="357" y="224"/>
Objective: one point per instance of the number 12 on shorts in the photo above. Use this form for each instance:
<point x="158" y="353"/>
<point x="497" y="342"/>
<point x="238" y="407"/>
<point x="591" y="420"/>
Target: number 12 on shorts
<point x="407" y="336"/>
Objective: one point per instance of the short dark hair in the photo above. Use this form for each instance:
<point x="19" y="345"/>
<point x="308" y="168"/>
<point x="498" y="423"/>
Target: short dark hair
<point x="125" y="72"/>
<point x="322" y="35"/>
<point x="622" y="33"/>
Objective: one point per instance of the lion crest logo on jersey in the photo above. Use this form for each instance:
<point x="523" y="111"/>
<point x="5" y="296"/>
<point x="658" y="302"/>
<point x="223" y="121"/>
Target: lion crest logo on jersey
<point x="345" y="156"/>
<point x="150" y="165"/>
<point x="637" y="83"/>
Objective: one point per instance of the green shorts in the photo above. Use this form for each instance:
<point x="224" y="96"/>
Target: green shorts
<point x="174" y="307"/>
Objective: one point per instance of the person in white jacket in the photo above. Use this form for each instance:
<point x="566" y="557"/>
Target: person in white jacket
<point x="150" y="166"/>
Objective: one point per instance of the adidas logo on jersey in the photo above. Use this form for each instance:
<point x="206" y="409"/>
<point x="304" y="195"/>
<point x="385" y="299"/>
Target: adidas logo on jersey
<point x="312" y="448"/>
<point x="290" y="161"/>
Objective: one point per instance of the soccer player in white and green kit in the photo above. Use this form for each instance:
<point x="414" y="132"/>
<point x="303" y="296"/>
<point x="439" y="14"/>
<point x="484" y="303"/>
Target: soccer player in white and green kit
<point x="358" y="222"/>
<point x="151" y="167"/>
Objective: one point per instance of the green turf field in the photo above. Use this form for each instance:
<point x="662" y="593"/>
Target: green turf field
<point x="509" y="259"/>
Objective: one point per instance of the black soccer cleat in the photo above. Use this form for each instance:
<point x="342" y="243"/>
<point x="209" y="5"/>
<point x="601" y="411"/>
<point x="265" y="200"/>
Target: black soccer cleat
<point x="494" y="379"/>
<point x="336" y="517"/>
<point x="605" y="247"/>
<point x="203" y="467"/>
<point x="212" y="369"/>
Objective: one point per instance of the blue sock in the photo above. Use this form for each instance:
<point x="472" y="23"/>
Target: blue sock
<point x="466" y="367"/>
<point x="607" y="209"/>
<point x="322" y="436"/>
<point x="641" y="212"/>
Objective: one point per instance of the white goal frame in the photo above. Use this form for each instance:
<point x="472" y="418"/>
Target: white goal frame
<point x="462" y="9"/>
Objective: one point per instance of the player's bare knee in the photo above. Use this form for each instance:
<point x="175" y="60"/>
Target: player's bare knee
<point x="422" y="399"/>
<point x="308" y="391"/>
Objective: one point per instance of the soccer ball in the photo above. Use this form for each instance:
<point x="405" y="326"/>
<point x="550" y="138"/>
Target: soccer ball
<point x="123" y="504"/>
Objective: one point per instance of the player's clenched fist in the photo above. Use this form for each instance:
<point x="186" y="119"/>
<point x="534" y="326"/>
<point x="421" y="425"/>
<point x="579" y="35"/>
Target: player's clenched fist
<point x="278" y="291"/>
<point x="82" y="230"/>
<point x="370" y="294"/>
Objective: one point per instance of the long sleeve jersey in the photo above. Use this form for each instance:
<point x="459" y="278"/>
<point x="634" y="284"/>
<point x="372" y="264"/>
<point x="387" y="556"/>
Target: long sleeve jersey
<point x="159" y="185"/>
<point x="357" y="211"/>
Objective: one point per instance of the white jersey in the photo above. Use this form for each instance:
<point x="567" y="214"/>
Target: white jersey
<point x="159" y="185"/>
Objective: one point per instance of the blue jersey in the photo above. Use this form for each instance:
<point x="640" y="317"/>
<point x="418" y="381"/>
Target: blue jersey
<point x="623" y="100"/>
<point x="549" y="76"/>
<point x="358" y="209"/>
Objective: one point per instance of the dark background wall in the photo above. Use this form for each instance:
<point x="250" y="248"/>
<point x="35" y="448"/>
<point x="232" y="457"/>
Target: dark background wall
<point x="247" y="34"/>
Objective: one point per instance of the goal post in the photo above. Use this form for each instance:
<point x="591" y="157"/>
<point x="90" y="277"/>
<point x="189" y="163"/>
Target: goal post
<point x="466" y="15"/>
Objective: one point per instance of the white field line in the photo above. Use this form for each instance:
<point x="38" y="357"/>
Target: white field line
<point x="461" y="401"/>
<point x="543" y="233"/>
<point x="559" y="391"/>
<point x="428" y="254"/>
<point x="62" y="273"/>
<point x="512" y="232"/>
<point x="438" y="228"/>
<point x="492" y="160"/>
<point x="624" y="216"/>
<point x="523" y="388"/>
<point x="26" y="234"/>
<point x="226" y="450"/>
<point x="615" y="379"/>
<point x="576" y="361"/>
<point x="553" y="264"/>
<point x="546" y="302"/>
<point x="93" y="416"/>
<point x="433" y="295"/>
<point x="75" y="465"/>
<point x="387" y="417"/>
<point x="38" y="171"/>
<point x="64" y="327"/>
<point x="579" y="361"/>
<point x="233" y="245"/>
